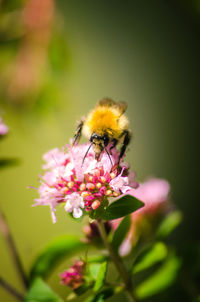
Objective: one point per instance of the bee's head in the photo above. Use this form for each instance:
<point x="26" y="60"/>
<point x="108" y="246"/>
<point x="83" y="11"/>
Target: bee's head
<point x="99" y="143"/>
<point x="97" y="139"/>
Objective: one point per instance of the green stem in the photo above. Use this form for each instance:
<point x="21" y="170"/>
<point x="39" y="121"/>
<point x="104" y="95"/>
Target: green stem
<point x="9" y="288"/>
<point x="117" y="261"/>
<point x="4" y="227"/>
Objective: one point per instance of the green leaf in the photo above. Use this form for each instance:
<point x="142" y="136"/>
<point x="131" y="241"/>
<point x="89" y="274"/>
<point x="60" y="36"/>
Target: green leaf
<point x="97" y="258"/>
<point x="121" y="232"/>
<point x="121" y="207"/>
<point x="101" y="296"/>
<point x="161" y="279"/>
<point x="60" y="248"/>
<point x="100" y="276"/>
<point x="150" y="256"/>
<point x="94" y="270"/>
<point x="172" y="220"/>
<point x="7" y="162"/>
<point x="41" y="292"/>
<point x="83" y="288"/>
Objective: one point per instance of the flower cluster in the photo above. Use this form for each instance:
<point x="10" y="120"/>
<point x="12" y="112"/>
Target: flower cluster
<point x="82" y="186"/>
<point x="73" y="277"/>
<point x="3" y="128"/>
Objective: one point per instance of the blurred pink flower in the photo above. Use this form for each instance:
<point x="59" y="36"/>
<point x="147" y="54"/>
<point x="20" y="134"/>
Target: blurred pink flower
<point x="3" y="128"/>
<point x="73" y="277"/>
<point x="81" y="186"/>
<point x="155" y="194"/>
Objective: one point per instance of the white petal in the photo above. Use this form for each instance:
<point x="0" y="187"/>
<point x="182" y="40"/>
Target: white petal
<point x="124" y="189"/>
<point x="77" y="212"/>
<point x="53" y="215"/>
<point x="68" y="207"/>
<point x="82" y="205"/>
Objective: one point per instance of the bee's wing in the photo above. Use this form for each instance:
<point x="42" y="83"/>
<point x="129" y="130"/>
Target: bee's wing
<point x="110" y="103"/>
<point x="106" y="102"/>
<point x="121" y="106"/>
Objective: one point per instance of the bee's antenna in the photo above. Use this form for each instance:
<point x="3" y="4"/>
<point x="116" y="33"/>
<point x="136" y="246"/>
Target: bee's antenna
<point x="109" y="156"/>
<point x="86" y="153"/>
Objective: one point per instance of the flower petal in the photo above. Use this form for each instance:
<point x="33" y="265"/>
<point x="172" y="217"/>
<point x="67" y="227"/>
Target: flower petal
<point x="68" y="207"/>
<point x="77" y="212"/>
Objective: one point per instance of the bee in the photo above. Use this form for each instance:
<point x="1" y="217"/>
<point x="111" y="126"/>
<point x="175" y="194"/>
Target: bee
<point x="105" y="125"/>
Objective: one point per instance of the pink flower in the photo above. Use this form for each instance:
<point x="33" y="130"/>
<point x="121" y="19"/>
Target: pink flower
<point x="3" y="128"/>
<point x="82" y="185"/>
<point x="73" y="277"/>
<point x="120" y="183"/>
<point x="155" y="194"/>
<point x="54" y="158"/>
<point x="74" y="203"/>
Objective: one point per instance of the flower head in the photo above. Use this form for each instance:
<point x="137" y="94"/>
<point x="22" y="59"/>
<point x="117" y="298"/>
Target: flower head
<point x="73" y="277"/>
<point x="82" y="186"/>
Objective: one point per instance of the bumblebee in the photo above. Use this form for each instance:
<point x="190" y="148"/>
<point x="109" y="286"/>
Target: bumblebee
<point x="106" y="124"/>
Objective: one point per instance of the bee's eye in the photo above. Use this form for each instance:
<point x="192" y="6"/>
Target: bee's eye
<point x="93" y="136"/>
<point x="106" y="140"/>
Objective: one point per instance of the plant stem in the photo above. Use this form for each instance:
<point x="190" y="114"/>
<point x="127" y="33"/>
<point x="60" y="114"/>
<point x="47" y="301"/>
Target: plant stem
<point x="117" y="261"/>
<point x="12" y="247"/>
<point x="11" y="289"/>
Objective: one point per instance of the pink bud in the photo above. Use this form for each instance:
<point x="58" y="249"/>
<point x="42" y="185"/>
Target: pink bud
<point x="90" y="186"/>
<point x="90" y="178"/>
<point x="108" y="192"/>
<point x="82" y="187"/>
<point x="98" y="185"/>
<point x="102" y="190"/>
<point x="89" y="197"/>
<point x="112" y="175"/>
<point x="97" y="173"/>
<point x="95" y="204"/>
<point x="70" y="184"/>
<point x="84" y="194"/>
<point x="103" y="179"/>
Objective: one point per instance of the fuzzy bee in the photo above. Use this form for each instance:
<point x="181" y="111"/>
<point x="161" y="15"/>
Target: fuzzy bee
<point x="105" y="124"/>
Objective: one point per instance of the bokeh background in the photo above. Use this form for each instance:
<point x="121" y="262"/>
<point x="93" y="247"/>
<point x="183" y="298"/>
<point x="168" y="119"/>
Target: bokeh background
<point x="57" y="59"/>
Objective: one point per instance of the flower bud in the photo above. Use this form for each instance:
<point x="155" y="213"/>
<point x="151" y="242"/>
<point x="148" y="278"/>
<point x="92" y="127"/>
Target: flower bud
<point x="73" y="277"/>
<point x="108" y="192"/>
<point x="90" y="186"/>
<point x="70" y="184"/>
<point x="103" y="179"/>
<point x="115" y="194"/>
<point x="112" y="175"/>
<point x="97" y="172"/>
<point x="82" y="187"/>
<point x="84" y="194"/>
<point x="95" y="204"/>
<point x="90" y="178"/>
<point x="98" y="185"/>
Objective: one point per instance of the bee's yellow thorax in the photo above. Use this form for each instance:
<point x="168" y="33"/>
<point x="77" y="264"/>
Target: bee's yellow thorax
<point x="104" y="119"/>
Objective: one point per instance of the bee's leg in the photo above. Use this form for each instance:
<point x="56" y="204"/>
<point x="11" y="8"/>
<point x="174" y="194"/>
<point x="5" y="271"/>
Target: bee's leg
<point x="78" y="132"/>
<point x="127" y="137"/>
<point x="114" y="141"/>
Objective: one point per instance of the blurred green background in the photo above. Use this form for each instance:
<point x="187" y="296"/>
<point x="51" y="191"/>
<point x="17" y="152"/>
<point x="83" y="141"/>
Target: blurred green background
<point x="57" y="59"/>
